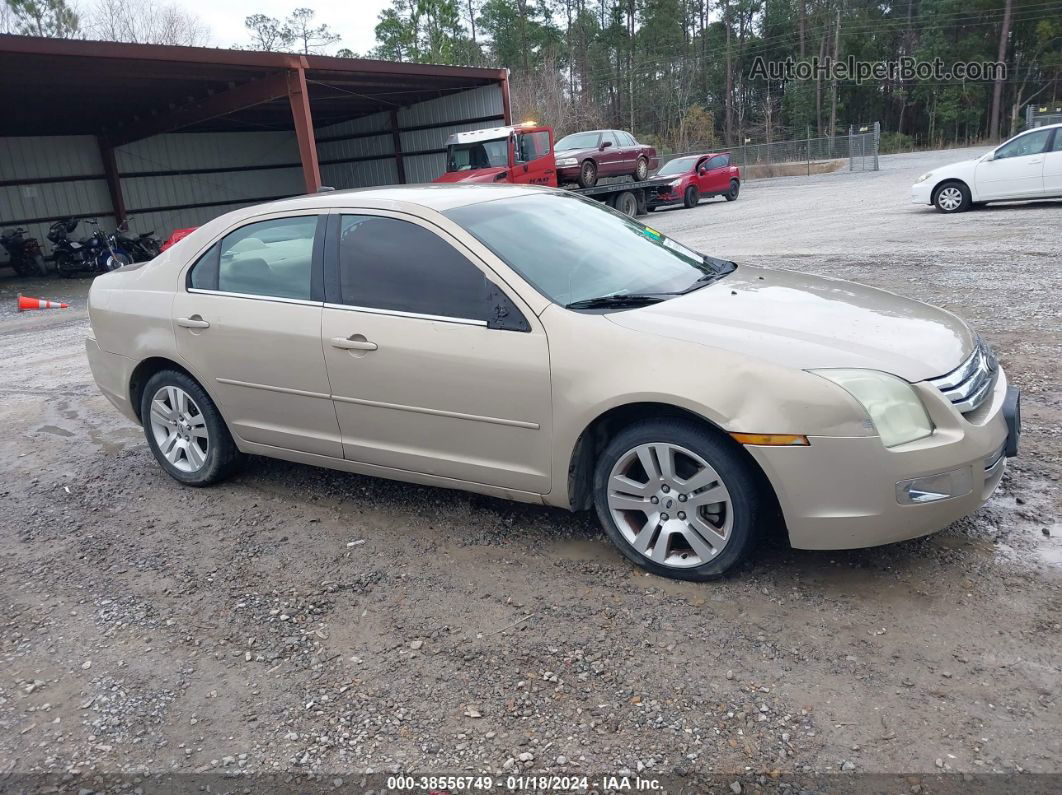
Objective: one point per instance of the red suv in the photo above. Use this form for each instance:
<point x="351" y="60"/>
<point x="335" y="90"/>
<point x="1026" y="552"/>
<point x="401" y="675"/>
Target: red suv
<point x="689" y="179"/>
<point x="584" y="156"/>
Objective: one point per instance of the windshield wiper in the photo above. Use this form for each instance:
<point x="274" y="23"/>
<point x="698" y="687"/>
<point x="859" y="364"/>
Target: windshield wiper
<point x="617" y="300"/>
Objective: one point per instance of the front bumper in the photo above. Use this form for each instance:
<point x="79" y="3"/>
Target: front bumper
<point x="661" y="199"/>
<point x="568" y="173"/>
<point x="922" y="192"/>
<point x="841" y="492"/>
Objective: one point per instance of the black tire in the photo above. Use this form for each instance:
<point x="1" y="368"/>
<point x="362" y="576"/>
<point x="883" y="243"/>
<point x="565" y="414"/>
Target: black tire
<point x="63" y="265"/>
<point x="733" y="470"/>
<point x="222" y="456"/>
<point x="588" y="174"/>
<point x="20" y="268"/>
<point x="735" y="188"/>
<point x="650" y="209"/>
<point x="641" y="170"/>
<point x="951" y="197"/>
<point x="691" y="197"/>
<point x="626" y="203"/>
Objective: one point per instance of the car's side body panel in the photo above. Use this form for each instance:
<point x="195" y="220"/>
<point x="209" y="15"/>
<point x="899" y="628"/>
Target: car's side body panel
<point x="502" y="411"/>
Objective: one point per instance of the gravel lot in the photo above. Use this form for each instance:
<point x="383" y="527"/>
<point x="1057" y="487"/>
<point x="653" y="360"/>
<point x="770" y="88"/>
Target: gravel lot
<point x="306" y="621"/>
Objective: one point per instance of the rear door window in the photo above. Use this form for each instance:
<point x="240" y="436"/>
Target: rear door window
<point x="271" y="258"/>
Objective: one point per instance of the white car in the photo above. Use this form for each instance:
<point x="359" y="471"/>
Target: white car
<point x="1028" y="166"/>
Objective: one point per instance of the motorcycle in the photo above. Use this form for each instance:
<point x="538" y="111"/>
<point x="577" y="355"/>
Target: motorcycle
<point x="25" y="253"/>
<point x="98" y="253"/>
<point x="142" y="248"/>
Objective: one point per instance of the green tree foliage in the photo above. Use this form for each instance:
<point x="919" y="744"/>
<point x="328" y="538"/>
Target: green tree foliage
<point x="52" y="18"/>
<point x="655" y="66"/>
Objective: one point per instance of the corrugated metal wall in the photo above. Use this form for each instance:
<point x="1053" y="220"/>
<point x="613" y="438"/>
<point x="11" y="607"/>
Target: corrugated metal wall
<point x="185" y="179"/>
<point x="35" y="159"/>
<point x="366" y="150"/>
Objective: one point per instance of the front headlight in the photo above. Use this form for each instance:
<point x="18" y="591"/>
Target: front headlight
<point x="568" y="161"/>
<point x="675" y="183"/>
<point x="890" y="402"/>
<point x="924" y="177"/>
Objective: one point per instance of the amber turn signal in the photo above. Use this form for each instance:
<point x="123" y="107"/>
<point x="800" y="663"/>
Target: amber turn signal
<point x="772" y="439"/>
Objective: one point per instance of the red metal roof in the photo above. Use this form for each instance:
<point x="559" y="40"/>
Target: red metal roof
<point x="67" y="87"/>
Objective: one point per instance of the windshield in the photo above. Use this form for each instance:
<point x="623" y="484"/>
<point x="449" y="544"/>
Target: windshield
<point x="680" y="165"/>
<point x="481" y="154"/>
<point x="572" y="249"/>
<point x="578" y="141"/>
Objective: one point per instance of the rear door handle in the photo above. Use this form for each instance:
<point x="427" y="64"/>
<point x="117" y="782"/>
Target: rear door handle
<point x="346" y="344"/>
<point x="195" y="321"/>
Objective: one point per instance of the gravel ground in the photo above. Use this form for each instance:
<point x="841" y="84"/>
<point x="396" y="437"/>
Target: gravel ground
<point x="299" y="620"/>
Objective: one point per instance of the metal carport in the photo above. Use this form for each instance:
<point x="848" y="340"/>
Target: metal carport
<point x="175" y="135"/>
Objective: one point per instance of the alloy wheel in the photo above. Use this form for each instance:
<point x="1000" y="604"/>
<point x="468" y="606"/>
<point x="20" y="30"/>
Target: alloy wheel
<point x="670" y="505"/>
<point x="179" y="428"/>
<point x="589" y="174"/>
<point x="949" y="198"/>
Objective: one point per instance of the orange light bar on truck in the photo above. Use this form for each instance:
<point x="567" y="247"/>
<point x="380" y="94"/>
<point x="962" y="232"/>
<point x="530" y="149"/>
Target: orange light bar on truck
<point x="772" y="439"/>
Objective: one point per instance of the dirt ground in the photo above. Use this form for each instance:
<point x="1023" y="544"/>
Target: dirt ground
<point x="302" y="620"/>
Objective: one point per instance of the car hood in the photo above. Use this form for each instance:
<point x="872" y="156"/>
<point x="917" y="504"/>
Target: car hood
<point x="587" y="152"/>
<point x="475" y="175"/>
<point x="963" y="169"/>
<point x="802" y="321"/>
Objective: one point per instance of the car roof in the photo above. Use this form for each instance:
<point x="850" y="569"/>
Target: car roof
<point x="438" y="197"/>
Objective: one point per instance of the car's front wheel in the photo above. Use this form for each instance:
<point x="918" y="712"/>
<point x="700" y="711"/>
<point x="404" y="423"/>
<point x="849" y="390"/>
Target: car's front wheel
<point x="185" y="430"/>
<point x="691" y="197"/>
<point x="677" y="500"/>
<point x="588" y="174"/>
<point x="952" y="197"/>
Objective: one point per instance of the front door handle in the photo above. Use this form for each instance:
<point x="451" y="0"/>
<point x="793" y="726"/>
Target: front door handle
<point x="195" y="321"/>
<point x="348" y="344"/>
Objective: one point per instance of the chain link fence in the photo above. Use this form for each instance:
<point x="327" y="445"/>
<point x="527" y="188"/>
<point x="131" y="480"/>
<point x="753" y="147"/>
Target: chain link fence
<point x="856" y="151"/>
<point x="1042" y="115"/>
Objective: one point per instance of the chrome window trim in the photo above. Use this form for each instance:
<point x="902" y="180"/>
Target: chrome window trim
<point x="463" y="321"/>
<point x="274" y="298"/>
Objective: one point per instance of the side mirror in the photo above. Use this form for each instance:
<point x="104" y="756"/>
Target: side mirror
<point x="502" y="313"/>
<point x="990" y="157"/>
<point x="605" y="145"/>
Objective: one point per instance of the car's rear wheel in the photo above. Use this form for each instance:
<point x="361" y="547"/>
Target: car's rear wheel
<point x="677" y="500"/>
<point x="952" y="197"/>
<point x="588" y="174"/>
<point x="732" y="193"/>
<point x="691" y="197"/>
<point x="185" y="430"/>
<point x="641" y="170"/>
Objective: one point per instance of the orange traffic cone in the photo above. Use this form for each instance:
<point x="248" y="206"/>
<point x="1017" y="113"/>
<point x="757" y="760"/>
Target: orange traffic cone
<point x="25" y="303"/>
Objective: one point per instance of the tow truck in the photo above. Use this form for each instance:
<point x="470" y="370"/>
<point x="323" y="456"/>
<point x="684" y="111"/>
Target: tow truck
<point x="522" y="154"/>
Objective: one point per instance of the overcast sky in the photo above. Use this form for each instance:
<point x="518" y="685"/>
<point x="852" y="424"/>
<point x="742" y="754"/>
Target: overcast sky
<point x="354" y="20"/>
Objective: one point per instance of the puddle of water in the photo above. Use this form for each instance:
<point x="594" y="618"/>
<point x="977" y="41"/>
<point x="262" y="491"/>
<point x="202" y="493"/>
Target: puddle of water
<point x="598" y="550"/>
<point x="1049" y="550"/>
<point x="55" y="430"/>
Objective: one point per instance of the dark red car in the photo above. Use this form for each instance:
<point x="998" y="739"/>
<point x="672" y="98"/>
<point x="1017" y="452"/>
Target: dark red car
<point x="583" y="157"/>
<point x="689" y="179"/>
